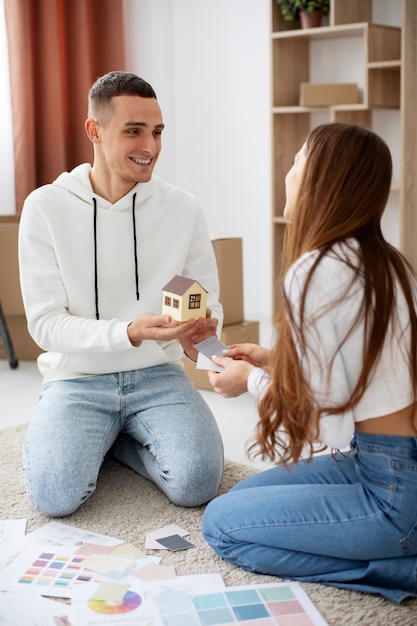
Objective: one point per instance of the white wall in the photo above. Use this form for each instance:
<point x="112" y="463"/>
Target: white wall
<point x="209" y="63"/>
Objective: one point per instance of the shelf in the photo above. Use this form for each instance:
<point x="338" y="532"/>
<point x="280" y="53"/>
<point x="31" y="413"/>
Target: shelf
<point x="381" y="62"/>
<point x="384" y="67"/>
<point x="383" y="42"/>
<point x="324" y="32"/>
<point x="335" y="107"/>
<point x="395" y="64"/>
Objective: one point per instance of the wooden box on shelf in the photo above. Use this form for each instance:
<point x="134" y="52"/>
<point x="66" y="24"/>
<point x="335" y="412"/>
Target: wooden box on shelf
<point x="327" y="94"/>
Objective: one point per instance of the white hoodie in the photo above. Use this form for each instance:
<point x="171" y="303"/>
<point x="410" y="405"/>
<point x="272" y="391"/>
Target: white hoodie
<point x="61" y="281"/>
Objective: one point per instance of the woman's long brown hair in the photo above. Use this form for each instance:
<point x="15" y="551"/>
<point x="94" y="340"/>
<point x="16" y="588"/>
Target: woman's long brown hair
<point x="343" y="194"/>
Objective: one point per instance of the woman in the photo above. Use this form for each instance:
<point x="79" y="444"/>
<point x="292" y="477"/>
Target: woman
<point x="343" y="371"/>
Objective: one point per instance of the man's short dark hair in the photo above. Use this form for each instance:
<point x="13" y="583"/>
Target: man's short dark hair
<point x="116" y="84"/>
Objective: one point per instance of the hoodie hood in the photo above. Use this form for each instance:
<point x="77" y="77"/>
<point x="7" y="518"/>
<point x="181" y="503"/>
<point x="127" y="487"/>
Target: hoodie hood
<point x="78" y="183"/>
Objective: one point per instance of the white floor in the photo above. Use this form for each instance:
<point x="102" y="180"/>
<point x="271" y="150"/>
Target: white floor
<point x="19" y="390"/>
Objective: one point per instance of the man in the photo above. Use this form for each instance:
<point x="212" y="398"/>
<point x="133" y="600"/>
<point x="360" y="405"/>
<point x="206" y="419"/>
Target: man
<point x="96" y="248"/>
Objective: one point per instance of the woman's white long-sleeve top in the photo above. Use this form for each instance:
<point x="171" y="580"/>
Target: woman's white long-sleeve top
<point x="333" y="361"/>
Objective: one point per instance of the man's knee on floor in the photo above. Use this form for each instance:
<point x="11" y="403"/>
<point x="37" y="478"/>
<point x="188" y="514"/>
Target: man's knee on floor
<point x="193" y="490"/>
<point x="58" y="502"/>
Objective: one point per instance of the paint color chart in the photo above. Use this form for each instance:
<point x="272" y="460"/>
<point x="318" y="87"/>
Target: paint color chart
<point x="258" y="605"/>
<point x="53" y="569"/>
<point x="46" y="571"/>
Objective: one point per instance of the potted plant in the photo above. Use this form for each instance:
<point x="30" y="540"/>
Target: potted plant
<point x="310" y="12"/>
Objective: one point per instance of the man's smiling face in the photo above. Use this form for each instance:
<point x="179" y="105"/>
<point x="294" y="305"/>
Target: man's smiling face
<point x="129" y="140"/>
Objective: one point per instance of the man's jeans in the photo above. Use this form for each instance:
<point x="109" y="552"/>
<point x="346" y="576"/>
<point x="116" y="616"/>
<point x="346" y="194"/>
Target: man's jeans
<point x="152" y="420"/>
<point x="349" y="521"/>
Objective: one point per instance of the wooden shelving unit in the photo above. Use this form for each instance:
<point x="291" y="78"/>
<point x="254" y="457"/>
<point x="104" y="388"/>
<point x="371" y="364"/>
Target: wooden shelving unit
<point x="389" y="82"/>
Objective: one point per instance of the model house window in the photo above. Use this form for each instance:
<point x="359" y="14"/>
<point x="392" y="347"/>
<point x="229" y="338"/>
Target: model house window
<point x="167" y="300"/>
<point x="195" y="300"/>
<point x="175" y="303"/>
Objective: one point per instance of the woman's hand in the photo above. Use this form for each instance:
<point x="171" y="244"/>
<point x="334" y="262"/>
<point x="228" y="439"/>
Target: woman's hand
<point x="233" y="381"/>
<point x="251" y="353"/>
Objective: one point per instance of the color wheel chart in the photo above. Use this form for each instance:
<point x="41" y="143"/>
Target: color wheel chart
<point x="130" y="602"/>
<point x="259" y="605"/>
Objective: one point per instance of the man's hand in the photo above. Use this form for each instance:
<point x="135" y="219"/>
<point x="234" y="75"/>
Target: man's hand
<point x="159" y="328"/>
<point x="203" y="329"/>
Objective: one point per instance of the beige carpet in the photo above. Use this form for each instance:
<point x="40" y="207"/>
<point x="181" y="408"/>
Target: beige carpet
<point x="126" y="506"/>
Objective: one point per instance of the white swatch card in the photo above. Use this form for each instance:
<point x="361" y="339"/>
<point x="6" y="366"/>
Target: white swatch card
<point x="206" y="349"/>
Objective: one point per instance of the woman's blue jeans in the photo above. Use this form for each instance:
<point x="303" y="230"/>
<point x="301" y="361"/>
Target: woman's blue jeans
<point x="152" y="420"/>
<point x="349" y="521"/>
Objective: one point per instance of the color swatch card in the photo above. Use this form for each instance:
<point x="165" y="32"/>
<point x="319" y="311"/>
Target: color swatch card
<point x="175" y="542"/>
<point x="44" y="571"/>
<point x="11" y="531"/>
<point x="59" y="534"/>
<point x="274" y="604"/>
<point x="18" y="609"/>
<point x="206" y="349"/>
<point x="152" y="537"/>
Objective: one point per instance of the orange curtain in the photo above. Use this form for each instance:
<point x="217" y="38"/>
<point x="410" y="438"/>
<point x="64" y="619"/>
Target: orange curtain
<point x="57" y="49"/>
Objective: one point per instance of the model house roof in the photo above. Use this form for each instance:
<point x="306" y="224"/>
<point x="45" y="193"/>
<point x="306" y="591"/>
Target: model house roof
<point x="180" y="284"/>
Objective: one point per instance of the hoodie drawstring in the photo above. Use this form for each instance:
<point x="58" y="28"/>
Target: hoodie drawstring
<point x="95" y="259"/>
<point x="135" y="252"/>
<point x="135" y="247"/>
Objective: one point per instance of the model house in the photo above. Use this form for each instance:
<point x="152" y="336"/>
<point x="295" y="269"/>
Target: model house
<point x="184" y="299"/>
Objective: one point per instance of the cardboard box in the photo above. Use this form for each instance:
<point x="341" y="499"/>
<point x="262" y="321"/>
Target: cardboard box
<point x="228" y="253"/>
<point x="199" y="377"/>
<point x="245" y="332"/>
<point x="326" y="94"/>
<point x="23" y="345"/>
<point x="10" y="296"/>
